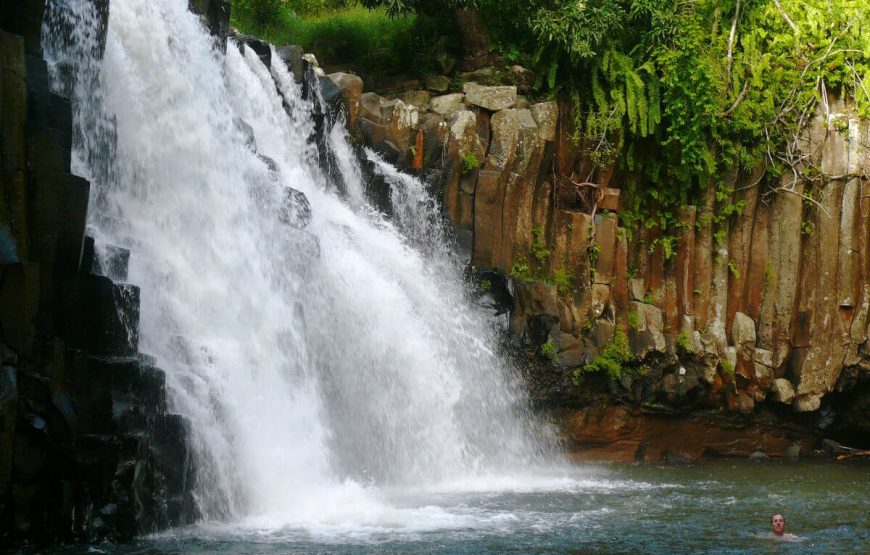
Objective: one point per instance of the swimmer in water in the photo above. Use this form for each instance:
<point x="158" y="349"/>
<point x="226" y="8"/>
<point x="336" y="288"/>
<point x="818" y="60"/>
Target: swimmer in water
<point x="777" y="526"/>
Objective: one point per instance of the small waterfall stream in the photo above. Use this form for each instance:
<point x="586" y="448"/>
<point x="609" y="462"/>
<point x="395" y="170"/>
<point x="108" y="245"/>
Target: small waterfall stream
<point x="322" y="357"/>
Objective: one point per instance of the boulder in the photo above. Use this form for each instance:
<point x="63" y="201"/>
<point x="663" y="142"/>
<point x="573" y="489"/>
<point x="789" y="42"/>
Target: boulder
<point x="573" y="352"/>
<point x="445" y="62"/>
<point x="295" y="210"/>
<point x="743" y="330"/>
<point x="309" y="61"/>
<point x="522" y="103"/>
<point x="463" y="130"/>
<point x="743" y="403"/>
<point x="246" y="132"/>
<point x="419" y="99"/>
<point x="793" y="451"/>
<point x="677" y="385"/>
<point x="259" y="47"/>
<point x="351" y="87"/>
<point x="490" y="98"/>
<point x="437" y="83"/>
<point x="512" y="133"/>
<point x="600" y="299"/>
<point x="447" y="104"/>
<point x="759" y="456"/>
<point x="399" y="119"/>
<point x="649" y="317"/>
<point x="764" y="357"/>
<point x="807" y="403"/>
<point x="370" y="107"/>
<point x="216" y="16"/>
<point x="292" y="55"/>
<point x="546" y="115"/>
<point x="782" y="391"/>
<point x="762" y="373"/>
<point x="484" y="75"/>
<point x="524" y="78"/>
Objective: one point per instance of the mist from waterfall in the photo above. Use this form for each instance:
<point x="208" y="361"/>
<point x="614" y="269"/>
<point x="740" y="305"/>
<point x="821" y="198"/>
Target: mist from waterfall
<point x="321" y="365"/>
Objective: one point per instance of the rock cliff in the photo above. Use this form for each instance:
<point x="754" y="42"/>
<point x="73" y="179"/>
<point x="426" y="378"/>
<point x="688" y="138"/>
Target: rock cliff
<point x="88" y="450"/>
<point x="759" y="320"/>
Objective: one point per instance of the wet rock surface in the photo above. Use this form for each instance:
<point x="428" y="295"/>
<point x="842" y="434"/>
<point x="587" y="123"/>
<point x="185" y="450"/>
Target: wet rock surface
<point x="753" y="318"/>
<point x="88" y="450"/>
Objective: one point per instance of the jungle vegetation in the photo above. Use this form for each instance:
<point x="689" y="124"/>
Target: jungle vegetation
<point x="676" y="93"/>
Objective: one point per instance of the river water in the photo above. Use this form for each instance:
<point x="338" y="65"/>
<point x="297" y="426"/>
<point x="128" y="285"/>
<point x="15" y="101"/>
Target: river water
<point x="714" y="507"/>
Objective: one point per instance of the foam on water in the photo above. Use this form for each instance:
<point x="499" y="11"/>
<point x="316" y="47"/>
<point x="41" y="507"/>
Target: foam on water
<point x="320" y="368"/>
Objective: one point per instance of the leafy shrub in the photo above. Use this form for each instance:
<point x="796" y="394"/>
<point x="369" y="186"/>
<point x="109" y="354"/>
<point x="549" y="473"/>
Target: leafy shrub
<point x="549" y="351"/>
<point x="469" y="162"/>
<point x="633" y="320"/>
<point x="613" y="359"/>
<point x="683" y="342"/>
<point x="563" y="280"/>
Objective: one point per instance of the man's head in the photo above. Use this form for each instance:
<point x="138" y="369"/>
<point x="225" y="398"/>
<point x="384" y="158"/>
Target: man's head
<point x="777" y="524"/>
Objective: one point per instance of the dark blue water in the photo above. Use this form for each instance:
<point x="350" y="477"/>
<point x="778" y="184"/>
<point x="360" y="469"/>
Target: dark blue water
<point x="716" y="507"/>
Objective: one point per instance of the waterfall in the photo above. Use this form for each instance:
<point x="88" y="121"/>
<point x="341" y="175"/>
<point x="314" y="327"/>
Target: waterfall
<point x="321" y="352"/>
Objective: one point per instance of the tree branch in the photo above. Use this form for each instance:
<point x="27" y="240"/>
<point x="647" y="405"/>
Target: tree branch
<point x="785" y="16"/>
<point x="737" y="102"/>
<point x="731" y="42"/>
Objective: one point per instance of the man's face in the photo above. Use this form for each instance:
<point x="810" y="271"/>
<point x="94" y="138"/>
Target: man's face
<point x="778" y="524"/>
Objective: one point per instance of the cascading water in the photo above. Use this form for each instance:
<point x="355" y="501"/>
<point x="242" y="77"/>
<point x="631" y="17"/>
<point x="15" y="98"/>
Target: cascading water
<point x="320" y="365"/>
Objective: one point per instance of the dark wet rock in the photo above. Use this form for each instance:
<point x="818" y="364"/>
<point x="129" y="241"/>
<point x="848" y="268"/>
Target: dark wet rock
<point x="831" y="447"/>
<point x="8" y="251"/>
<point x="295" y="210"/>
<point x="112" y="320"/>
<point x="216" y="16"/>
<point x="271" y="164"/>
<point x="112" y="263"/>
<point x="291" y="55"/>
<point x="247" y="132"/>
<point x="544" y="328"/>
<point x="261" y="48"/>
<point x="759" y="456"/>
<point x="676" y="458"/>
<point x="331" y="94"/>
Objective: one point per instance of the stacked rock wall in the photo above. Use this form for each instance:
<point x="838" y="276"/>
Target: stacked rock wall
<point x="768" y="309"/>
<point x="87" y="448"/>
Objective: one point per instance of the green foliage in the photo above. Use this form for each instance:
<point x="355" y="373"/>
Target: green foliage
<point x="485" y="286"/>
<point x="664" y="90"/>
<point x="549" y="351"/>
<point x="593" y="252"/>
<point x="564" y="281"/>
<point x="345" y="33"/>
<point x="683" y="342"/>
<point x="260" y="12"/>
<point x="732" y="267"/>
<point x="613" y="358"/>
<point x="649" y="297"/>
<point x="469" y="162"/>
<point x="540" y="252"/>
<point x="727" y="367"/>
<point x="633" y="320"/>
<point x="522" y="271"/>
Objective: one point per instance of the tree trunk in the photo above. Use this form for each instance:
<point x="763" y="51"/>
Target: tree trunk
<point x="475" y="39"/>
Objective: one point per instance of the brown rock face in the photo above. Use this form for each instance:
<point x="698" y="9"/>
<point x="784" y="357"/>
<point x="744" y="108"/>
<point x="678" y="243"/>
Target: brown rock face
<point x="761" y="288"/>
<point x="625" y="434"/>
<point x="351" y="87"/>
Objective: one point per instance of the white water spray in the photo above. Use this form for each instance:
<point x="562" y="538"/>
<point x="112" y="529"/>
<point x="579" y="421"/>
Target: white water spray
<point x="320" y="366"/>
